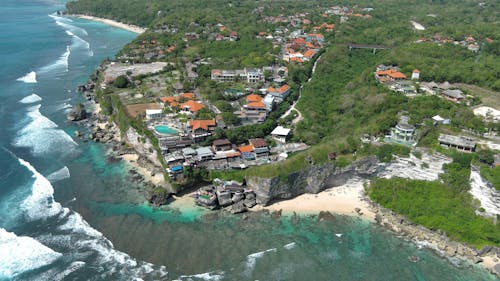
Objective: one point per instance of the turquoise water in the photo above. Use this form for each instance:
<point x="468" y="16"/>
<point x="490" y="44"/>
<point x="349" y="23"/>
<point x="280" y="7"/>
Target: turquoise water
<point x="70" y="212"/>
<point x="165" y="130"/>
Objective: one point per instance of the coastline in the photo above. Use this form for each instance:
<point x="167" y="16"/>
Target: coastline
<point x="347" y="199"/>
<point x="125" y="26"/>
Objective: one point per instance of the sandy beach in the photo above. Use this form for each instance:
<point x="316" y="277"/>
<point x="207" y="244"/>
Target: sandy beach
<point x="132" y="158"/>
<point x="338" y="200"/>
<point x="129" y="27"/>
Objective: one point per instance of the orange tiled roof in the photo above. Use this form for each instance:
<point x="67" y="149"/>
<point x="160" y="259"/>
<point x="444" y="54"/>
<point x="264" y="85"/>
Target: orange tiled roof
<point x="271" y="90"/>
<point x="284" y="88"/>
<point x="254" y="98"/>
<point x="188" y="96"/>
<point x="309" y="53"/>
<point x="397" y="75"/>
<point x="296" y="59"/>
<point x="192" y="105"/>
<point x="203" y="124"/>
<point x="257" y="104"/>
<point x="245" y="148"/>
<point x="316" y="35"/>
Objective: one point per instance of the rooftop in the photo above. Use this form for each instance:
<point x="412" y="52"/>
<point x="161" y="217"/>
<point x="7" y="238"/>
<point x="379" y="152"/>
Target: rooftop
<point x="280" y="131"/>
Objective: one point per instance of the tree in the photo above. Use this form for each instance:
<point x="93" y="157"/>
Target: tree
<point x="121" y="82"/>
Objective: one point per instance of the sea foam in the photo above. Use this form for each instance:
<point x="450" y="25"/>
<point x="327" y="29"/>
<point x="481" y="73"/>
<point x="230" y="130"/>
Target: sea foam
<point x="31" y="99"/>
<point x="21" y="254"/>
<point x="28" y="78"/>
<point x="252" y="260"/>
<point x="42" y="136"/>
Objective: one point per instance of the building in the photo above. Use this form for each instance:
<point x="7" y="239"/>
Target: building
<point x="403" y="133"/>
<point x="280" y="134"/>
<point x="204" y="153"/>
<point x="458" y="142"/>
<point x="415" y="75"/>
<point x="221" y="145"/>
<point x="251" y="75"/>
<point x="191" y="106"/>
<point x="281" y="93"/>
<point x="152" y="114"/>
<point x="259" y="147"/>
<point x="200" y="129"/>
<point x="269" y="102"/>
<point x="453" y="95"/>
<point x="188" y="152"/>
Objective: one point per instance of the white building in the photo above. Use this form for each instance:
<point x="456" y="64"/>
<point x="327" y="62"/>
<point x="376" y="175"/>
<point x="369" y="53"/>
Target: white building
<point x="280" y="134"/>
<point x="415" y="75"/>
<point x="154" y="114"/>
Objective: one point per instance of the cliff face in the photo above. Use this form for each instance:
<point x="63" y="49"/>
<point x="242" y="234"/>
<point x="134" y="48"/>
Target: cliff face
<point x="142" y="146"/>
<point x="310" y="180"/>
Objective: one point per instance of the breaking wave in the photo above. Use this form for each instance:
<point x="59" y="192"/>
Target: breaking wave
<point x="42" y="136"/>
<point x="28" y="78"/>
<point x="61" y="62"/>
<point x="77" y="243"/>
<point x="252" y="260"/>
<point x="31" y="99"/>
<point x="21" y="254"/>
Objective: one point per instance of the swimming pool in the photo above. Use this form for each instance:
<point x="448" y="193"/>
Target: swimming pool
<point x="165" y="130"/>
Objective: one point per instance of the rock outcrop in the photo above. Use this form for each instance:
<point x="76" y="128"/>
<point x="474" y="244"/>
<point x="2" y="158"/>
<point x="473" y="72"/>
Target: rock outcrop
<point x="77" y="113"/>
<point x="312" y="179"/>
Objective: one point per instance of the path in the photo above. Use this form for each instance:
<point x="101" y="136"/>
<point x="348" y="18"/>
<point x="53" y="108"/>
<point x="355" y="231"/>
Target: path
<point x="299" y="114"/>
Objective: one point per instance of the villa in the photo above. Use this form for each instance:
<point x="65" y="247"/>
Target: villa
<point x="403" y="133"/>
<point x="251" y="75"/>
<point x="200" y="129"/>
<point x="152" y="114"/>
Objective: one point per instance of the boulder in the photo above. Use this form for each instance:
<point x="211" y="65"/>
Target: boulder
<point x="238" y="208"/>
<point x="249" y="202"/>
<point x="77" y="113"/>
<point x="237" y="197"/>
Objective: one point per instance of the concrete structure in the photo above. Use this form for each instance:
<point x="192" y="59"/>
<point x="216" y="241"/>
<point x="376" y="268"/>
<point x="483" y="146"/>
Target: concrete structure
<point x="460" y="143"/>
<point x="204" y="153"/>
<point x="280" y="134"/>
<point x="403" y="133"/>
<point x="453" y="95"/>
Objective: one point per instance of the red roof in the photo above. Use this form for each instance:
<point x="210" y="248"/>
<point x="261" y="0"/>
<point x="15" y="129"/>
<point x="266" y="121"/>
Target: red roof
<point x="254" y="98"/>
<point x="257" y="104"/>
<point x="258" y="142"/>
<point x="296" y="59"/>
<point x="309" y="53"/>
<point x="284" y="88"/>
<point x="397" y="75"/>
<point x="188" y="96"/>
<point x="245" y="148"/>
<point x="192" y="105"/>
<point x="204" y="124"/>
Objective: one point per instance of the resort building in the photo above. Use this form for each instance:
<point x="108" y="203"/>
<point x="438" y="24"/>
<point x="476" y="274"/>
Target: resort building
<point x="259" y="147"/>
<point x="191" y="106"/>
<point x="200" y="129"/>
<point x="458" y="142"/>
<point x="152" y="114"/>
<point x="281" y="93"/>
<point x="280" y="134"/>
<point x="221" y="145"/>
<point x="251" y="75"/>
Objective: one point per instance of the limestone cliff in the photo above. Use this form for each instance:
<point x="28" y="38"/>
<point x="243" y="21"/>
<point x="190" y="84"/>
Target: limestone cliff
<point x="142" y="146"/>
<point x="309" y="180"/>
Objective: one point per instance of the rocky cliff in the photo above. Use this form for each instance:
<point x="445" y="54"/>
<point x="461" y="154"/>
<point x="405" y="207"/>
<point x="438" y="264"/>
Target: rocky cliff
<point x="313" y="179"/>
<point x="143" y="146"/>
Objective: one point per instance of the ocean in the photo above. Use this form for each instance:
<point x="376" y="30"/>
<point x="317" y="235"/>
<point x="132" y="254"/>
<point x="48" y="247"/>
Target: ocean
<point x="68" y="213"/>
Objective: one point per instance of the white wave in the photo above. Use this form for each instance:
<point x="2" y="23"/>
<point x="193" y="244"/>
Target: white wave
<point x="61" y="62"/>
<point x="31" y="99"/>
<point x="78" y="41"/>
<point x="20" y="254"/>
<point x="28" y="78"/>
<point x="40" y="204"/>
<point x="72" y="28"/>
<point x="252" y="260"/>
<point x="209" y="276"/>
<point x="290" y="246"/>
<point x="59" y="175"/>
<point x="339" y="235"/>
<point x="58" y="18"/>
<point x="42" y="135"/>
<point x="74" y="266"/>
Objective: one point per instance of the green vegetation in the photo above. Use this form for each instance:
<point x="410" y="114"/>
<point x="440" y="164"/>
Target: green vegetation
<point x="120" y="82"/>
<point x="492" y="175"/>
<point x="437" y="207"/>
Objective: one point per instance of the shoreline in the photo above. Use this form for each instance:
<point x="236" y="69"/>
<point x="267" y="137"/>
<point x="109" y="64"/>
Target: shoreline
<point x="114" y="23"/>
